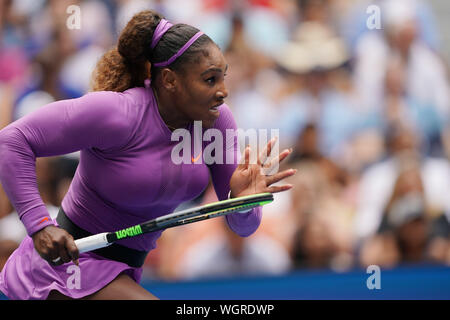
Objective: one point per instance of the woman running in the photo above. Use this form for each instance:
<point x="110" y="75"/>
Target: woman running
<point x="126" y="174"/>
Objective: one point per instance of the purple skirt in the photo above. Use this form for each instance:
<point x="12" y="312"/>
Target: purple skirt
<point x="26" y="276"/>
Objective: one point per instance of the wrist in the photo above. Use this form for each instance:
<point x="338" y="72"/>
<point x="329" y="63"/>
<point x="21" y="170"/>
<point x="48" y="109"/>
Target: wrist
<point x="230" y="196"/>
<point x="36" y="219"/>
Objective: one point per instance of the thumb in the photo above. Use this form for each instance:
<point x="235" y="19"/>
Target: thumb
<point x="72" y="250"/>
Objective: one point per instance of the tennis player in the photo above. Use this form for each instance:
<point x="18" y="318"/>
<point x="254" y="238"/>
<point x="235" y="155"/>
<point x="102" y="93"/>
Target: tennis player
<point x="125" y="175"/>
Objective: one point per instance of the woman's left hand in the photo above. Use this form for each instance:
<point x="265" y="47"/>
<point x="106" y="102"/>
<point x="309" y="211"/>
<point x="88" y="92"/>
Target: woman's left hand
<point x="252" y="178"/>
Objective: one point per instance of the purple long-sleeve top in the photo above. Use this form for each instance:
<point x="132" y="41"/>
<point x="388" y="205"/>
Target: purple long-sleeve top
<point x="126" y="174"/>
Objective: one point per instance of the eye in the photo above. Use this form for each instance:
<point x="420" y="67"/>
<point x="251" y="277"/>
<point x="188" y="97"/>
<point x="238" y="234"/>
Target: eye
<point x="211" y="80"/>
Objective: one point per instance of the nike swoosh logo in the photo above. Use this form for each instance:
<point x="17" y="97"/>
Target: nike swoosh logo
<point x="195" y="160"/>
<point x="44" y="219"/>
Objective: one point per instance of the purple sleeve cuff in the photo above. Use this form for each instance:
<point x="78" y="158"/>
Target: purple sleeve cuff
<point x="36" y="219"/>
<point x="244" y="224"/>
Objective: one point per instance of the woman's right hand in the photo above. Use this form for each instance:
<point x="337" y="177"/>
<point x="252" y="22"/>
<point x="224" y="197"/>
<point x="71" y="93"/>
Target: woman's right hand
<point x="53" y="242"/>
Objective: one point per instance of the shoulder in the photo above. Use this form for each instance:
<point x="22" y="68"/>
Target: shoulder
<point x="115" y="108"/>
<point x="107" y="101"/>
<point x="117" y="114"/>
<point x="129" y="97"/>
<point x="101" y="103"/>
<point x="138" y="95"/>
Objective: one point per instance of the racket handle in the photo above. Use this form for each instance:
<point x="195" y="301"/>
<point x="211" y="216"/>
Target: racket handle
<point x="94" y="242"/>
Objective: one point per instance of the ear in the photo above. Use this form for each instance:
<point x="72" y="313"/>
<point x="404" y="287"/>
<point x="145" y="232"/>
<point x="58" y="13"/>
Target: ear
<point x="148" y="67"/>
<point x="169" y="79"/>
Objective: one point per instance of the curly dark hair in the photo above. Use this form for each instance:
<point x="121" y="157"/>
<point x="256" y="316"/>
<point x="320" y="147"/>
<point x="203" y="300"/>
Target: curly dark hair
<point x="124" y="66"/>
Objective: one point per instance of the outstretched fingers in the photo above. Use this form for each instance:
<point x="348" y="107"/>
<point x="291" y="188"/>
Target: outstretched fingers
<point x="275" y="189"/>
<point x="273" y="165"/>
<point x="280" y="176"/>
<point x="245" y="160"/>
<point x="267" y="151"/>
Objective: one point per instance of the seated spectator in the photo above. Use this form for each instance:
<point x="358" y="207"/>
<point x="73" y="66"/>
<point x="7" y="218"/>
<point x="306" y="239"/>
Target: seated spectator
<point x="378" y="181"/>
<point x="410" y="232"/>
<point x="313" y="247"/>
<point x="401" y="109"/>
<point x="316" y="57"/>
<point x="426" y="78"/>
<point x="323" y="217"/>
<point x="355" y="20"/>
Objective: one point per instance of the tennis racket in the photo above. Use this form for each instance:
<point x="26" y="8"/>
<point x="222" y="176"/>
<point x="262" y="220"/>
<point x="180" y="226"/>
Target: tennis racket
<point x="179" y="218"/>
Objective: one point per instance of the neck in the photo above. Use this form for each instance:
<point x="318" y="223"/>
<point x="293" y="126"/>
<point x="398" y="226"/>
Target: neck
<point x="167" y="110"/>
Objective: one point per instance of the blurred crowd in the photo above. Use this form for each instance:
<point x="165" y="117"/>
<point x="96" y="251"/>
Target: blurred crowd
<point x="364" y="106"/>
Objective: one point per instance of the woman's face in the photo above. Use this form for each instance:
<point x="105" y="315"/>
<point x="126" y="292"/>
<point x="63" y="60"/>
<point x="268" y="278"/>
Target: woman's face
<point x="201" y="87"/>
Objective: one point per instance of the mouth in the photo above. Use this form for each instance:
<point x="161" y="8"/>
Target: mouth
<point x="215" y="109"/>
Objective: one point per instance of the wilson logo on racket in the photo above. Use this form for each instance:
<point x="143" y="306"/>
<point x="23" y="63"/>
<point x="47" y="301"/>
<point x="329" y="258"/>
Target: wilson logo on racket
<point x="129" y="232"/>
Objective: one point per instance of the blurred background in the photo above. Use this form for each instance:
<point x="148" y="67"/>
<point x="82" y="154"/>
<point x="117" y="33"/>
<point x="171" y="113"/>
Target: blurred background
<point x="359" y="89"/>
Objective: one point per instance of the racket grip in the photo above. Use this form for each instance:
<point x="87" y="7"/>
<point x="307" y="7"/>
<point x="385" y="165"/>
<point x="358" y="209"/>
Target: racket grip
<point x="94" y="242"/>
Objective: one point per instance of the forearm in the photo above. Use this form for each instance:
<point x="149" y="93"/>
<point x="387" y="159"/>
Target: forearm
<point x="243" y="224"/>
<point x="96" y="120"/>
<point x="18" y="178"/>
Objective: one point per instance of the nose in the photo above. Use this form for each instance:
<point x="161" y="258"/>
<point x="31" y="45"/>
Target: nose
<point x="222" y="93"/>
